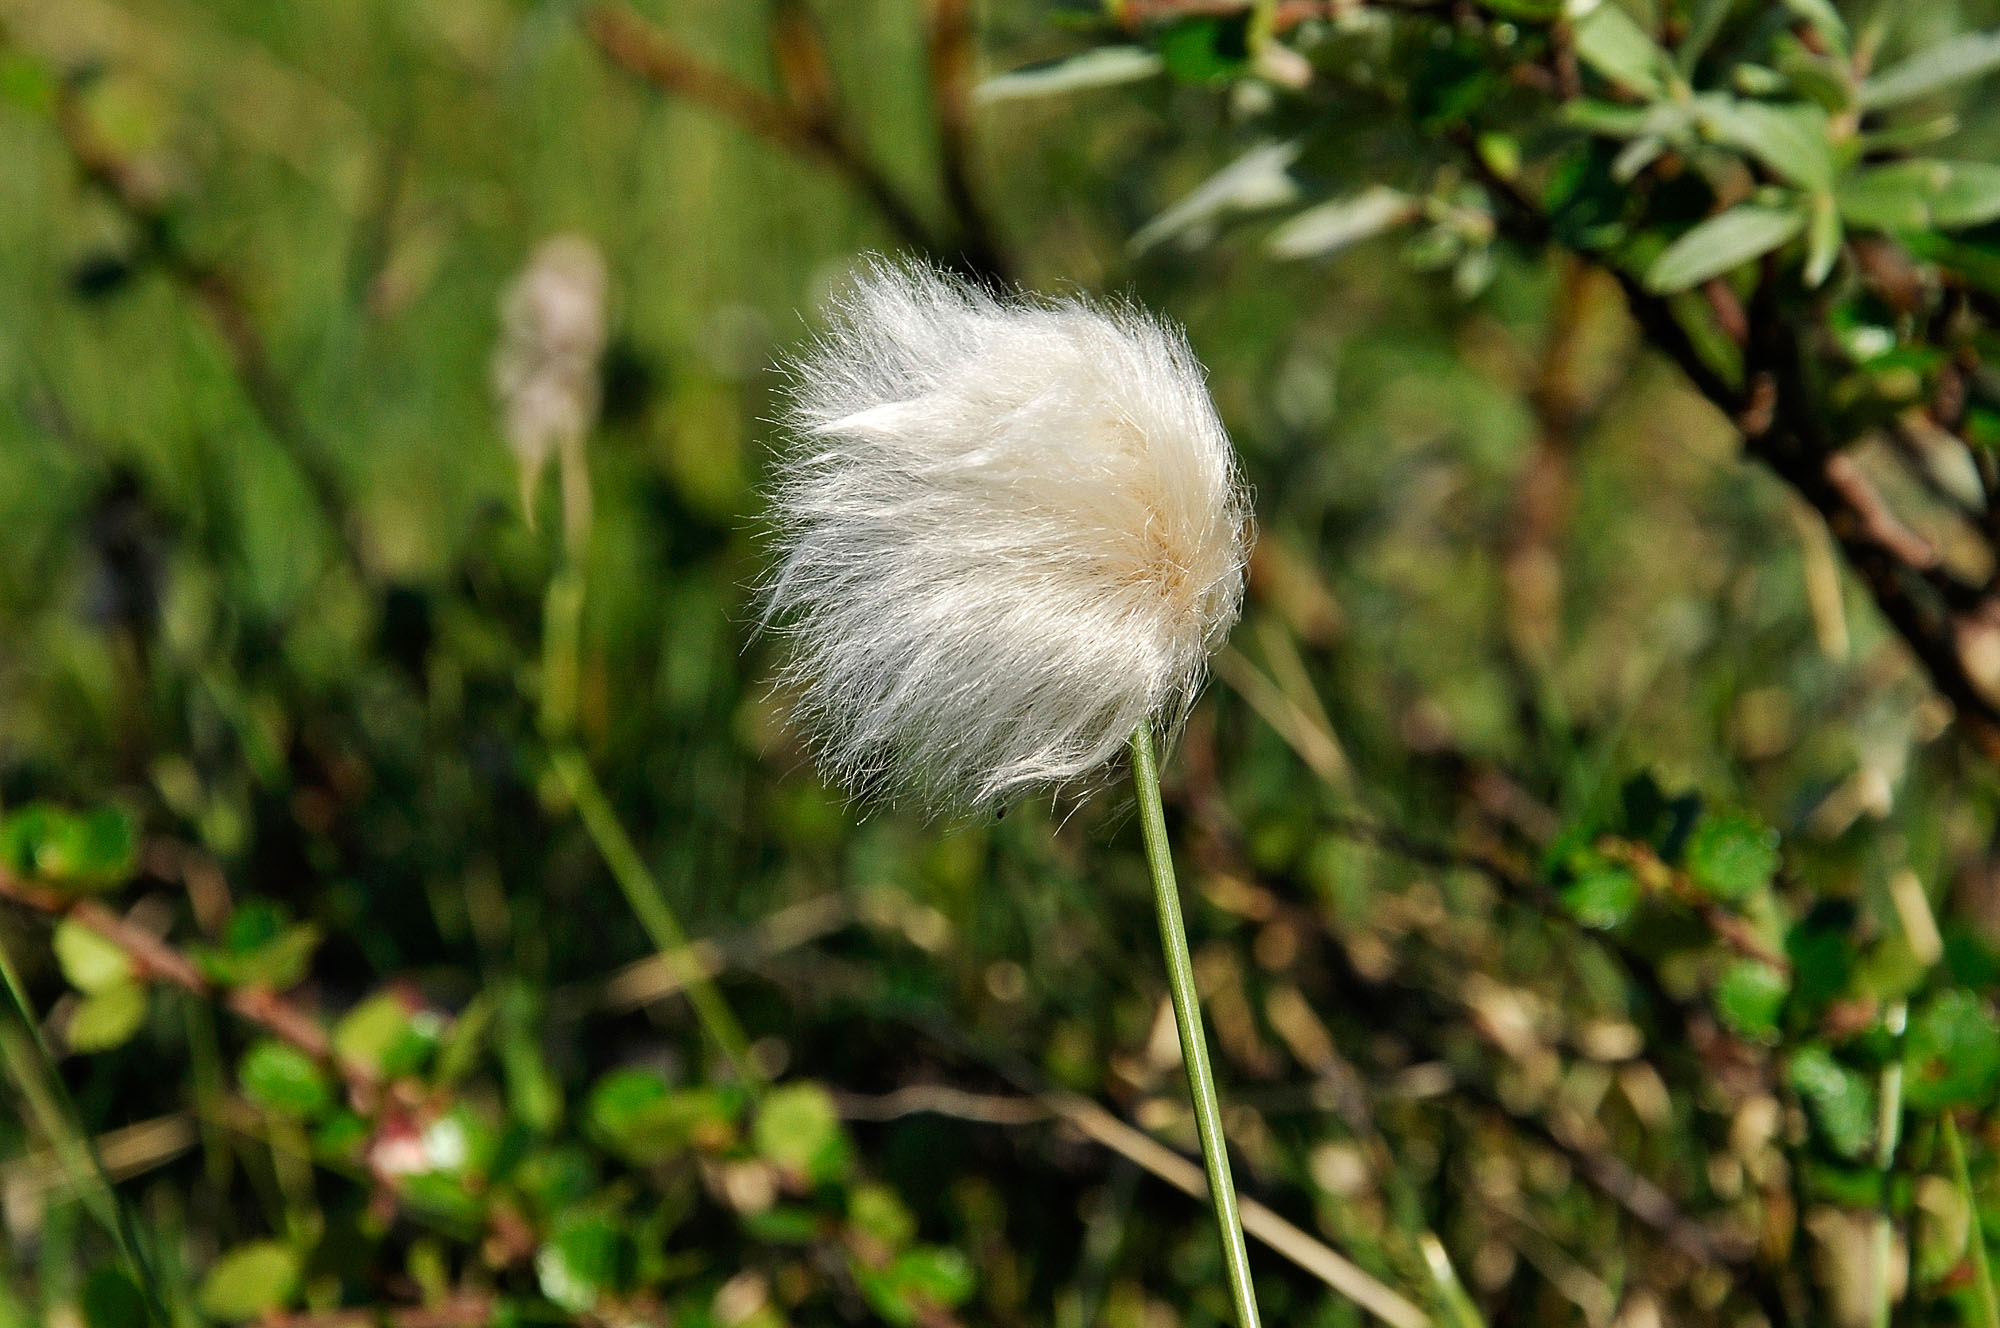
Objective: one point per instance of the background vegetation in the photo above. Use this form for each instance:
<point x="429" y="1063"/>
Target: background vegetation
<point x="1591" y="834"/>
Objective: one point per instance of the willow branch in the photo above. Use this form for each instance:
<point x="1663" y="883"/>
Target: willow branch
<point x="640" y="49"/>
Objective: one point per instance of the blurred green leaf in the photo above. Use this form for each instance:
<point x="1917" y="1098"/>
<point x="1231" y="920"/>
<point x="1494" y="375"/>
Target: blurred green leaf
<point x="91" y="962"/>
<point x="1824" y="19"/>
<point x="1732" y="855"/>
<point x="27" y="82"/>
<point x="1794" y="141"/>
<point x="1823" y="237"/>
<point x="1951" y="1053"/>
<point x="1600" y="894"/>
<point x="1610" y="42"/>
<point x="1953" y="60"/>
<point x="282" y="1079"/>
<point x="107" y="1017"/>
<point x="1105" y="66"/>
<point x="111" y="1299"/>
<point x="78" y="854"/>
<point x="249" y="1282"/>
<point x="1923" y="194"/>
<point x="380" y="1035"/>
<point x="1721" y="243"/>
<point x="799" y="1131"/>
<point x="1209" y="49"/>
<point x="1327" y="228"/>
<point x="259" y="947"/>
<point x="585" y="1256"/>
<point x="646" y="1122"/>
<point x="1840" y="1100"/>
<point x="917" y="1279"/>
<point x="1750" y="997"/>
<point x="876" y="1211"/>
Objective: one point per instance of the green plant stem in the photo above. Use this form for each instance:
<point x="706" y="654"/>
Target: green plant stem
<point x="1982" y="1267"/>
<point x="642" y="892"/>
<point x="1888" y="1133"/>
<point x="32" y="1066"/>
<point x="1187" y="1018"/>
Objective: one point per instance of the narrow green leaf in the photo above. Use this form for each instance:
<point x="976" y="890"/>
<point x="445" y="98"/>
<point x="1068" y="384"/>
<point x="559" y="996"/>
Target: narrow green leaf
<point x="1612" y="43"/>
<point x="1258" y="179"/>
<point x="1823" y="236"/>
<point x="1794" y="141"/>
<point x="1922" y="195"/>
<point x="1325" y="230"/>
<point x="111" y="1299"/>
<point x="1952" y="61"/>
<point x="1824" y="19"/>
<point x="1103" y="67"/>
<point x="1722" y="242"/>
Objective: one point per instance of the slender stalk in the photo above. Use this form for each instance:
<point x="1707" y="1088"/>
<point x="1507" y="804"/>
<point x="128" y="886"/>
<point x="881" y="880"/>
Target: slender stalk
<point x="1888" y="1133"/>
<point x="31" y="1065"/>
<point x="1982" y="1267"/>
<point x="643" y="893"/>
<point x="1187" y="1018"/>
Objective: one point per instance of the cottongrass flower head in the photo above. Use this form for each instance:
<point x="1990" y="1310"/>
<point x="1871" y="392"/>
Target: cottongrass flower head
<point x="1010" y="530"/>
<point x="545" y="368"/>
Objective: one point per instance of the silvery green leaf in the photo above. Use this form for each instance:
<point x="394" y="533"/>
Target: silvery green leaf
<point x="1949" y="62"/>
<point x="1823" y="18"/>
<point x="1721" y="243"/>
<point x="1823" y="236"/>
<point x="1794" y="140"/>
<point x="1637" y="156"/>
<point x="1612" y="43"/>
<point x="1332" y="226"/>
<point x="1922" y="195"/>
<point x="1258" y="179"/>
<point x="1105" y="66"/>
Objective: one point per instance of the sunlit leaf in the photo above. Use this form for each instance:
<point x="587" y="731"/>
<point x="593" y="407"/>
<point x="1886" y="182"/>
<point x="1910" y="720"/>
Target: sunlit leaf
<point x="1256" y="180"/>
<point x="1794" y="141"/>
<point x="1840" y="1101"/>
<point x="799" y="1131"/>
<point x="1104" y="67"/>
<point x="282" y="1079"/>
<point x="1732" y="855"/>
<point x="1325" y="230"/>
<point x="249" y="1282"/>
<point x="1610" y="42"/>
<point x="90" y="961"/>
<point x="1951" y="1053"/>
<point x="107" y="1017"/>
<point x="1722" y="242"/>
<point x="1750" y="997"/>
<point x="1922" y="194"/>
<point x="1953" y="60"/>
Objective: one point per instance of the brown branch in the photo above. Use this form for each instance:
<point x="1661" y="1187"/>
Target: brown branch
<point x="809" y="130"/>
<point x="154" y="960"/>
<point x="458" y="1312"/>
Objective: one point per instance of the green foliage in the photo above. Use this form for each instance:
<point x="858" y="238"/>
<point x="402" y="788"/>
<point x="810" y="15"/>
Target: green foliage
<point x="249" y="1282"/>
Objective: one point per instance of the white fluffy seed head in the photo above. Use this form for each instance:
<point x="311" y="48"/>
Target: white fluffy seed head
<point x="1009" y="530"/>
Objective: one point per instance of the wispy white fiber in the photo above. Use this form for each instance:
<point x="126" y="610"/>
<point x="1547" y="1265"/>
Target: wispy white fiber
<point x="545" y="367"/>
<point x="1009" y="529"/>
